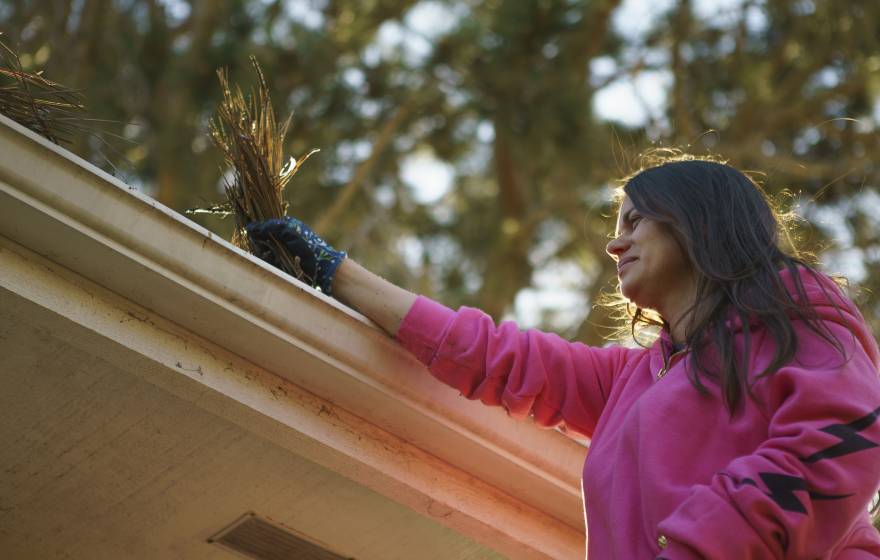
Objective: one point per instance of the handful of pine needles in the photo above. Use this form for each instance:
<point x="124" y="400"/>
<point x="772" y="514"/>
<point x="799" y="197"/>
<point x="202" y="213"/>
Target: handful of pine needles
<point x="48" y="108"/>
<point x="251" y="139"/>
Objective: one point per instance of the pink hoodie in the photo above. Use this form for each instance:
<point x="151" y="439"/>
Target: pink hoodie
<point x="669" y="473"/>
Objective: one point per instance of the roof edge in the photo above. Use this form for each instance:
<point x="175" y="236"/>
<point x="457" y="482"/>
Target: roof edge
<point x="68" y="211"/>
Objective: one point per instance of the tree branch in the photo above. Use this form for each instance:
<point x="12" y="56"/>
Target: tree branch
<point x="385" y="136"/>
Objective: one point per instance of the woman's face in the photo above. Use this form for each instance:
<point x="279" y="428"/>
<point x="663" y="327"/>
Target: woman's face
<point x="653" y="269"/>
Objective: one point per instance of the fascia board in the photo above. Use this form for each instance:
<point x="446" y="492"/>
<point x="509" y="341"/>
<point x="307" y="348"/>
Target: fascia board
<point x="73" y="214"/>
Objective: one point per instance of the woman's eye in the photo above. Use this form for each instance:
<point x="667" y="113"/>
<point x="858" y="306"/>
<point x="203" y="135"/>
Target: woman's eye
<point x="634" y="221"/>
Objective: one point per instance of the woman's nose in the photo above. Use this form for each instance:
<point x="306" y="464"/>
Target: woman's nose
<point x="616" y="246"/>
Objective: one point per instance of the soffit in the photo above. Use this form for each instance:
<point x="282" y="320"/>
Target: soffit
<point x="59" y="210"/>
<point x="101" y="463"/>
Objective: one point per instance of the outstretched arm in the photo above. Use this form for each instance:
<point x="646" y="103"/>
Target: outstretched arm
<point x="526" y="372"/>
<point x="372" y="295"/>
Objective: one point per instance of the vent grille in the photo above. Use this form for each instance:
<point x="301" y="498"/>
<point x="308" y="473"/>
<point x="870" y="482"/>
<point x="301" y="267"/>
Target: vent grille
<point x="260" y="539"/>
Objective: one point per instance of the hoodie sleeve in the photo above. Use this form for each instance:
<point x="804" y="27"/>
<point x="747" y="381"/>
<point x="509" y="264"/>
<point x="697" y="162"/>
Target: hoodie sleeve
<point x="801" y="492"/>
<point x="527" y="372"/>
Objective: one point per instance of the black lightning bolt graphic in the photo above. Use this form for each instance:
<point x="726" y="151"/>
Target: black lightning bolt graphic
<point x="850" y="440"/>
<point x="782" y="488"/>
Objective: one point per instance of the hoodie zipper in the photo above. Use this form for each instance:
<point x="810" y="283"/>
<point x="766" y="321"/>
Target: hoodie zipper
<point x="667" y="362"/>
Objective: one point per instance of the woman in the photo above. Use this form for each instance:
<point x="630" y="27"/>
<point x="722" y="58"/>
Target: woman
<point x="748" y="429"/>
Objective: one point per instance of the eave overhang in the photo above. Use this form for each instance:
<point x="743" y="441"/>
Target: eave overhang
<point x="229" y="326"/>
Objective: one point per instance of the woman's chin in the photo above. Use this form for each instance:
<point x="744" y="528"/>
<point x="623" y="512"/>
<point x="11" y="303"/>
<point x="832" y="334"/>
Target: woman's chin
<point x="633" y="295"/>
<point x="626" y="288"/>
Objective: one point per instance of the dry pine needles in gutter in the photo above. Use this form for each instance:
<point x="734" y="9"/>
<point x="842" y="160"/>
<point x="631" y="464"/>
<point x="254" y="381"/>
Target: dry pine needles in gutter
<point x="251" y="139"/>
<point x="48" y="108"/>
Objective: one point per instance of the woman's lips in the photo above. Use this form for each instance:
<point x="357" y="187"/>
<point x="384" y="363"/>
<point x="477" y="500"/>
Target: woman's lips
<point x="623" y="263"/>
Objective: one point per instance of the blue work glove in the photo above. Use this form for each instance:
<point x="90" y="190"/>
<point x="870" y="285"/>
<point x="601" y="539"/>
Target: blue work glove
<point x="317" y="259"/>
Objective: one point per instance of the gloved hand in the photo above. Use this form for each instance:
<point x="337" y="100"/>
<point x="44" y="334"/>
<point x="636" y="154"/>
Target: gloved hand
<point x="317" y="259"/>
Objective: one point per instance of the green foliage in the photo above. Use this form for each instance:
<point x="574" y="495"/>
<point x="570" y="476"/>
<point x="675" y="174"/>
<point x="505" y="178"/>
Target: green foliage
<point x="504" y="93"/>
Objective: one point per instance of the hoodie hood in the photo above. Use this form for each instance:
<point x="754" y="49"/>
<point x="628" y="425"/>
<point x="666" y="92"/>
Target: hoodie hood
<point x="826" y="297"/>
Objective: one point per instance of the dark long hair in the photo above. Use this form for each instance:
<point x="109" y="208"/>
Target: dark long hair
<point x="733" y="235"/>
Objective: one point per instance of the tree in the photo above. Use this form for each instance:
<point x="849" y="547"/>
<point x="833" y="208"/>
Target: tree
<point x="504" y="92"/>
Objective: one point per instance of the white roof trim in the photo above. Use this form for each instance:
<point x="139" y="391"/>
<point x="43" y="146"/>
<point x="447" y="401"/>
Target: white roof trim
<point x="71" y="213"/>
